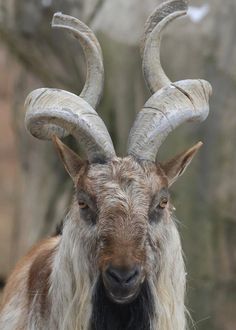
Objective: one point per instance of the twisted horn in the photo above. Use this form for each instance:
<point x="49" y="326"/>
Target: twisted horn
<point x="172" y="103"/>
<point x="93" y="87"/>
<point x="154" y="75"/>
<point x="53" y="111"/>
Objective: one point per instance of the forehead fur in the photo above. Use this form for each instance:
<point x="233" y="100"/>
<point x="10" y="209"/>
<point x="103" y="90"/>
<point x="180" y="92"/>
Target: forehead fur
<point x="123" y="190"/>
<point x="124" y="174"/>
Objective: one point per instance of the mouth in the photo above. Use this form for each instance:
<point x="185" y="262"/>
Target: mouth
<point x="122" y="295"/>
<point x="122" y="299"/>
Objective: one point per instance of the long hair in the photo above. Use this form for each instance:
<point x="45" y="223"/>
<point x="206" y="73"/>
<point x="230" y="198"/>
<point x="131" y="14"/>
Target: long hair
<point x="71" y="281"/>
<point x="79" y="300"/>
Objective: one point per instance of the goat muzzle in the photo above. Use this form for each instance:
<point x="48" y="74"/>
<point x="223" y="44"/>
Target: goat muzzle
<point x="122" y="284"/>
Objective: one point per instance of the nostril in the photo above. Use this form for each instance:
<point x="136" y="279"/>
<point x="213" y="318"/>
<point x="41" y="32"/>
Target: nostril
<point x="133" y="274"/>
<point x="113" y="275"/>
<point x="122" y="276"/>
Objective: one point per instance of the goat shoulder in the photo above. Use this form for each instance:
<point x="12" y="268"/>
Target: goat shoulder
<point x="26" y="291"/>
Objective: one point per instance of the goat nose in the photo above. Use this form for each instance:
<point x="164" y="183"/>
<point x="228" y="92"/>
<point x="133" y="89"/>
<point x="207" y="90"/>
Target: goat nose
<point x="122" y="276"/>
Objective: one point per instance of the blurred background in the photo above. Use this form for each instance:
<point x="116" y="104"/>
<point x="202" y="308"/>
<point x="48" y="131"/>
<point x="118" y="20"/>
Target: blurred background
<point x="34" y="189"/>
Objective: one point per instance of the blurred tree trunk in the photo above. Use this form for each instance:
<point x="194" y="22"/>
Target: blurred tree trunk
<point x="205" y="196"/>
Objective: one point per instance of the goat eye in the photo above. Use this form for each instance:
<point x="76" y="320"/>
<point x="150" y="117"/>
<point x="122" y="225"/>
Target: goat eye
<point x="163" y="203"/>
<point x="82" y="205"/>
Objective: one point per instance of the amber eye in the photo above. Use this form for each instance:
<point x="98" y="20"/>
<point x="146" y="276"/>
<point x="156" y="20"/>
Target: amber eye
<point x="163" y="203"/>
<point x="82" y="205"/>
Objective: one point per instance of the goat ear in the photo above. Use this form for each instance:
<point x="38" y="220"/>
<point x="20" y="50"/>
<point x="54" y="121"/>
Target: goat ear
<point x="68" y="157"/>
<point x="177" y="165"/>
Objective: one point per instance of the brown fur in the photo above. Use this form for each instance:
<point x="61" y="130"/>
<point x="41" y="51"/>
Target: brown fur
<point x="39" y="278"/>
<point x="28" y="269"/>
<point x="123" y="190"/>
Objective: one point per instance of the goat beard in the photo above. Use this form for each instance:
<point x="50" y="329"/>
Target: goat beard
<point x="108" y="315"/>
